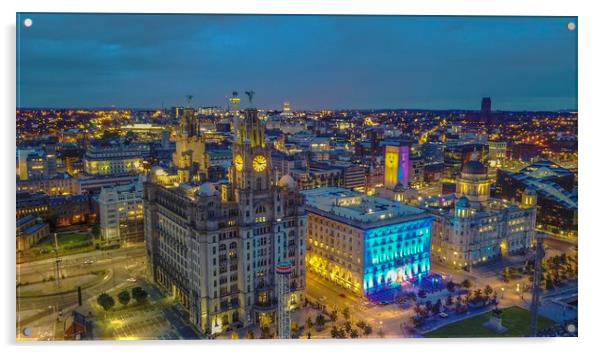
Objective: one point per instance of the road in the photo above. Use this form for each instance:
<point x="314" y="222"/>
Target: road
<point x="387" y="317"/>
<point x="120" y="264"/>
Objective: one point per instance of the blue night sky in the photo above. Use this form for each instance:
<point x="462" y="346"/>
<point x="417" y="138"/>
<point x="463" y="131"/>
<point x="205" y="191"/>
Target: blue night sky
<point x="315" y="62"/>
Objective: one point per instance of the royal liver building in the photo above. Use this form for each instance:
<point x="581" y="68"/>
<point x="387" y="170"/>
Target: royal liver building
<point x="215" y="246"/>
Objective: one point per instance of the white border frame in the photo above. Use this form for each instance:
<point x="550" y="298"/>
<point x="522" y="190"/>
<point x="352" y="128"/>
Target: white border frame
<point x="590" y="117"/>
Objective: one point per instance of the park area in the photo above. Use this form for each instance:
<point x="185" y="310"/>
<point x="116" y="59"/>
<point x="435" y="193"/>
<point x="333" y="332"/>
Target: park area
<point x="66" y="241"/>
<point x="515" y="319"/>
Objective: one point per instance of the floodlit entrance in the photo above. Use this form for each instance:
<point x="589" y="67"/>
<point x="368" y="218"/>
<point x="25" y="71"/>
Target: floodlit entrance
<point x="504" y="247"/>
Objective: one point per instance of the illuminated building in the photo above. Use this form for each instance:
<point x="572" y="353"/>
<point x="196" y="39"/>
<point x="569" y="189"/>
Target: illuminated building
<point x="397" y="166"/>
<point x="471" y="228"/>
<point x="189" y="158"/>
<point x="93" y="183"/>
<point x="61" y="184"/>
<point x="121" y="213"/>
<point x="115" y="158"/>
<point x="214" y="247"/>
<point x="557" y="202"/>
<point x="497" y="152"/>
<point x="30" y="229"/>
<point x="286" y="110"/>
<point x="39" y="162"/>
<point x="363" y="243"/>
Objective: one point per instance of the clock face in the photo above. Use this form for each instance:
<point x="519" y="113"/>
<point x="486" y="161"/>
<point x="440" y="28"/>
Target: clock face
<point x="238" y="162"/>
<point x="259" y="163"/>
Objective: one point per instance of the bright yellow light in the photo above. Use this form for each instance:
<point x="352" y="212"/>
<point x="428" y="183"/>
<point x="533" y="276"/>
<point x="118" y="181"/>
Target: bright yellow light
<point x="260" y="163"/>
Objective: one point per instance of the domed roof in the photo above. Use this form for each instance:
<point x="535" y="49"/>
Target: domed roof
<point x="157" y="171"/>
<point x="287" y="181"/>
<point x="462" y="202"/>
<point x="207" y="189"/>
<point x="474" y="167"/>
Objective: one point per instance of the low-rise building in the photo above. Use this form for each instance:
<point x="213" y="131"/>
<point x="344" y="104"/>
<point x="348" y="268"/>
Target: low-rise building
<point x="30" y="229"/>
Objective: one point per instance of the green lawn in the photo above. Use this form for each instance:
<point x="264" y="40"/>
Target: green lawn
<point x="66" y="241"/>
<point x="515" y="319"/>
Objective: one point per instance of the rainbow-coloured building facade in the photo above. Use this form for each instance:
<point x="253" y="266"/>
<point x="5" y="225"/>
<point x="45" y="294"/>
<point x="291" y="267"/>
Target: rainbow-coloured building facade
<point x="364" y="243"/>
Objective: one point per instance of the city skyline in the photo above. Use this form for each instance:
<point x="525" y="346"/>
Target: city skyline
<point x="523" y="63"/>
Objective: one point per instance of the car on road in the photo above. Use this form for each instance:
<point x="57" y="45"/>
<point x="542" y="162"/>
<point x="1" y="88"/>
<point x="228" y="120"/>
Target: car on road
<point x="322" y="298"/>
<point x="384" y="303"/>
<point x="443" y="315"/>
<point x="131" y="280"/>
<point x="342" y="295"/>
<point x="89" y="261"/>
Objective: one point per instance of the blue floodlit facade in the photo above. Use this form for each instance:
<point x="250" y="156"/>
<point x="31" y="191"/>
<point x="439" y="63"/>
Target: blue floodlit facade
<point x="397" y="253"/>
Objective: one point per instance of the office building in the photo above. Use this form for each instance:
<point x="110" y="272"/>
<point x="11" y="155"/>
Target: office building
<point x="471" y="228"/>
<point x="363" y="243"/>
<point x="121" y="213"/>
<point x="215" y="246"/>
<point x="113" y="158"/>
<point x="557" y="202"/>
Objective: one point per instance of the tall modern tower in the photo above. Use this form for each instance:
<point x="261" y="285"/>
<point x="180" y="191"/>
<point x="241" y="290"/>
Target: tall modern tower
<point x="485" y="108"/>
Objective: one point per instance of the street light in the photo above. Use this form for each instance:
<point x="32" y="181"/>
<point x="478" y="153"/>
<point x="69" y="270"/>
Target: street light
<point x="502" y="292"/>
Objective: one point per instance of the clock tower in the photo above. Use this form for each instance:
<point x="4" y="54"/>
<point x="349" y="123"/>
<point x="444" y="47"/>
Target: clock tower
<point x="251" y="167"/>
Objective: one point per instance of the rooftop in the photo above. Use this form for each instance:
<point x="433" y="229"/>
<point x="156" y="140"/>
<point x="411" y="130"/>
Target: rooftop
<point x="358" y="209"/>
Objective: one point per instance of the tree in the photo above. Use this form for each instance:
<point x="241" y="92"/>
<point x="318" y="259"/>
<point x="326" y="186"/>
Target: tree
<point x="466" y="283"/>
<point x="106" y="301"/>
<point x="436" y="307"/>
<point x="346" y="313"/>
<point x="347" y="326"/>
<point x="361" y="324"/>
<point x="308" y="323"/>
<point x="250" y="334"/>
<point x="139" y="294"/>
<point x="488" y="290"/>
<point x="334" y="332"/>
<point x="124" y="297"/>
<point x="334" y="315"/>
<point x="234" y="335"/>
<point x="294" y="326"/>
<point x="417" y="309"/>
<point x="451" y="286"/>
<point x="320" y="320"/>
<point x="449" y="300"/>
<point x="308" y="334"/>
<point x="422" y="293"/>
<point x="367" y="330"/>
<point x="354" y="333"/>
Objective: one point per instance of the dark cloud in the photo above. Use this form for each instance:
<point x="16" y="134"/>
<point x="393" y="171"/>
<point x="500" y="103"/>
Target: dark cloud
<point x="313" y="61"/>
